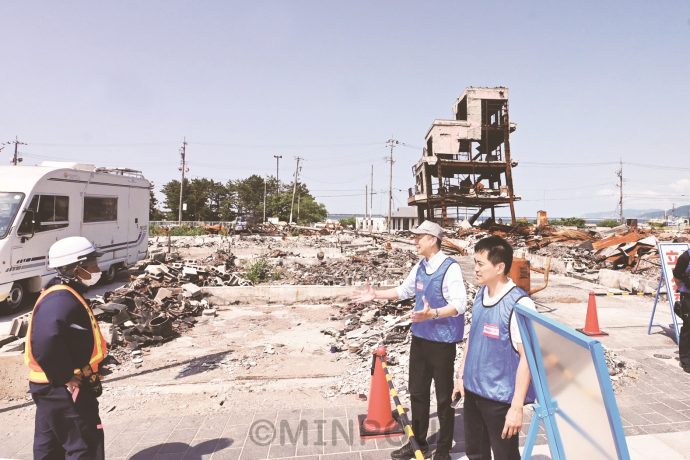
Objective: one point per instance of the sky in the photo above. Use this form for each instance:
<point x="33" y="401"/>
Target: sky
<point x="123" y="83"/>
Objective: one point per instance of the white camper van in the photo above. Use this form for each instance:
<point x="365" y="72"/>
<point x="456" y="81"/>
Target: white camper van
<point x="42" y="204"/>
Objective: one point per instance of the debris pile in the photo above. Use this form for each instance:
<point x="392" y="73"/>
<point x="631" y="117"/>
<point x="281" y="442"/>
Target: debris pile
<point x="367" y="326"/>
<point x="626" y="251"/>
<point x="162" y="302"/>
<point x="363" y="265"/>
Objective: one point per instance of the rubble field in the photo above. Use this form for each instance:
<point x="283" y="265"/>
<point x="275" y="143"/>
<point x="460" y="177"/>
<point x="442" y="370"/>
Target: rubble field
<point x="166" y="339"/>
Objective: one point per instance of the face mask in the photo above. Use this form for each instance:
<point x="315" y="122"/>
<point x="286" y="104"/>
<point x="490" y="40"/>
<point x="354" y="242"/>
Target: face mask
<point x="88" y="282"/>
<point x="93" y="280"/>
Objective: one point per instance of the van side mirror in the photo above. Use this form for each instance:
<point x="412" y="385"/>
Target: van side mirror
<point x="27" y="228"/>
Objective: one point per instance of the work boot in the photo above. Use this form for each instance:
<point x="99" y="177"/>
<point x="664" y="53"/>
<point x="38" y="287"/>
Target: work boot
<point x="406" y="452"/>
<point x="441" y="455"/>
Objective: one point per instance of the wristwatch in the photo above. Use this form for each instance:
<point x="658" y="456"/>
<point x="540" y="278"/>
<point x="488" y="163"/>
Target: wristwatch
<point x="435" y="313"/>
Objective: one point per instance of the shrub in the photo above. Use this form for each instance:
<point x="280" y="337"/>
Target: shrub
<point x="609" y="223"/>
<point x="348" y="222"/>
<point x="569" y="222"/>
<point x="181" y="230"/>
<point x="522" y="222"/>
<point x="261" y="270"/>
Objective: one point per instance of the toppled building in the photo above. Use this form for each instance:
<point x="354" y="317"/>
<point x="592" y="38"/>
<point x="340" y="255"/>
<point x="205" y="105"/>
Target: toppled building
<point x="466" y="162"/>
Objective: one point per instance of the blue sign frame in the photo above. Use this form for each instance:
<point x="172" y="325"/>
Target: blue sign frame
<point x="666" y="277"/>
<point x="547" y="408"/>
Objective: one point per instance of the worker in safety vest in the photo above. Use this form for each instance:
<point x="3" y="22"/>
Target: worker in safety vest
<point x="63" y="349"/>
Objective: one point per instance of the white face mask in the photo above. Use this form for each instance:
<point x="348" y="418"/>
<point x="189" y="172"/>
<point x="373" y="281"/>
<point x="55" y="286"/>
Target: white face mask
<point x="92" y="280"/>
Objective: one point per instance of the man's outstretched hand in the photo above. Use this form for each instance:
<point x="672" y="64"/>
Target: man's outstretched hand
<point x="365" y="295"/>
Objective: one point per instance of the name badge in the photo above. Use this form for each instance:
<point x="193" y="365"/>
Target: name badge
<point x="491" y="331"/>
<point x="420" y="286"/>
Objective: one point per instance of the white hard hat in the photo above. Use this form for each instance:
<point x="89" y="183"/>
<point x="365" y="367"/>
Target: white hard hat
<point x="70" y="250"/>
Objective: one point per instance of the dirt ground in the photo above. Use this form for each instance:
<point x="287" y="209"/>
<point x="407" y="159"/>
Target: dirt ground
<point x="246" y="356"/>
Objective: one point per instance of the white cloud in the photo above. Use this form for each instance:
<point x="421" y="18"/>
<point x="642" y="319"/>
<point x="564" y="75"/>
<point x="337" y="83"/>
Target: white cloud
<point x="606" y="192"/>
<point x="681" y="185"/>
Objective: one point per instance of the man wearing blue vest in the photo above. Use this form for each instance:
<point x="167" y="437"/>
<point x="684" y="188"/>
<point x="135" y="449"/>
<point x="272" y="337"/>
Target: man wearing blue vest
<point x="681" y="272"/>
<point x="494" y="377"/>
<point x="438" y="324"/>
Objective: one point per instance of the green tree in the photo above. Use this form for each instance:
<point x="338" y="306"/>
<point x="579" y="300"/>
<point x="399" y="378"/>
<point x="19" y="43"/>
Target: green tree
<point x="207" y="199"/>
<point x="249" y="195"/>
<point x="154" y="212"/>
<point x="171" y="191"/>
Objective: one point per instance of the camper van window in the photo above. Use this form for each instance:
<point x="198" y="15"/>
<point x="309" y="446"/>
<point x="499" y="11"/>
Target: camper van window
<point x="51" y="212"/>
<point x="9" y="205"/>
<point x="99" y="209"/>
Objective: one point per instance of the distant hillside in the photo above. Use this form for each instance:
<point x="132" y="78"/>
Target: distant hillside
<point x="629" y="213"/>
<point x="680" y="211"/>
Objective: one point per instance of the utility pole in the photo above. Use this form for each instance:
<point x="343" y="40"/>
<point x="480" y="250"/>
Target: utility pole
<point x="366" y="206"/>
<point x="183" y="169"/>
<point x="278" y="157"/>
<point x="391" y="143"/>
<point x="619" y="173"/>
<point x="265" y="181"/>
<point x="294" y="187"/>
<point x="371" y="194"/>
<point x="16" y="159"/>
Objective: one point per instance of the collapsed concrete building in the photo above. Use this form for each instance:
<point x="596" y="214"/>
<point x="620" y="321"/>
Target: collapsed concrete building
<point x="466" y="162"/>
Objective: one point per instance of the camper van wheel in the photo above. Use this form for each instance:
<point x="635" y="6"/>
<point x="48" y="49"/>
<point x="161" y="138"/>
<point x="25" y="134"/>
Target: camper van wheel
<point x="16" y="298"/>
<point x="109" y="275"/>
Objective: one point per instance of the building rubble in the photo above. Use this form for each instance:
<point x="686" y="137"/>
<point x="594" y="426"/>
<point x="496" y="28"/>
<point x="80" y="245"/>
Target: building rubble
<point x="368" y="326"/>
<point x="162" y="302"/>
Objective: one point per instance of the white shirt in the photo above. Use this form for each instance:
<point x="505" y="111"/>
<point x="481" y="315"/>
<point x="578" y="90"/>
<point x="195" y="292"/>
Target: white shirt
<point x="453" y="286"/>
<point x="525" y="302"/>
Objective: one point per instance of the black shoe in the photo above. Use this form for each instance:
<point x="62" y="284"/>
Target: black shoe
<point x="441" y="455"/>
<point x="406" y="452"/>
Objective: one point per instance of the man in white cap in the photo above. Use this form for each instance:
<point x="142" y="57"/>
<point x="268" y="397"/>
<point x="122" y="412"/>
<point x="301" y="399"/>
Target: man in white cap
<point x="438" y="325"/>
<point x="63" y="349"/>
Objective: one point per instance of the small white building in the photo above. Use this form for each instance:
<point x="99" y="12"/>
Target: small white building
<point x="404" y="218"/>
<point x="371" y="224"/>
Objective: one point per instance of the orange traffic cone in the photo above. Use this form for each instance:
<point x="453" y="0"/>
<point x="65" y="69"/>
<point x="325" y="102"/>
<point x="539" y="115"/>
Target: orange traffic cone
<point x="592" y="320"/>
<point x="378" y="421"/>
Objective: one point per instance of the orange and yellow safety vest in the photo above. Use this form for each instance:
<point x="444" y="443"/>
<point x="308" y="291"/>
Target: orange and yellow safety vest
<point x="98" y="353"/>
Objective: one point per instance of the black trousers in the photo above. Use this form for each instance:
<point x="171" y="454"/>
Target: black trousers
<point x="684" y="342"/>
<point x="484" y="421"/>
<point x="432" y="361"/>
<point x="65" y="429"/>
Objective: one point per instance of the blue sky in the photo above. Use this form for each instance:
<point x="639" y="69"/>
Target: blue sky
<point x="122" y="83"/>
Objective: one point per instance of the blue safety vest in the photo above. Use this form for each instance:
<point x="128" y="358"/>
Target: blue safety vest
<point x="448" y="330"/>
<point x="491" y="362"/>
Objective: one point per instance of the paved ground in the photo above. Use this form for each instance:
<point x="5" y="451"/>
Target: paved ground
<point x="310" y="434"/>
